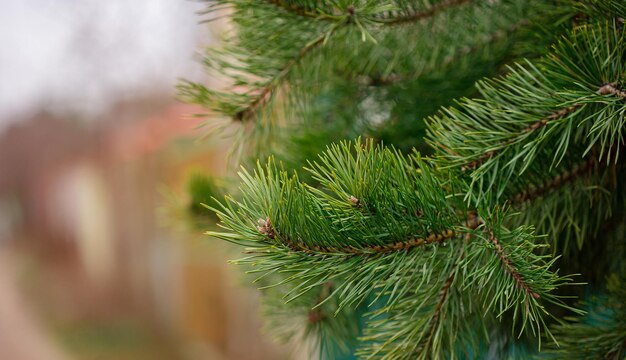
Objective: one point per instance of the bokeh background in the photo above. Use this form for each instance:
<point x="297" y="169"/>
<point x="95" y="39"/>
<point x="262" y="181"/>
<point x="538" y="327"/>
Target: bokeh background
<point x="102" y="254"/>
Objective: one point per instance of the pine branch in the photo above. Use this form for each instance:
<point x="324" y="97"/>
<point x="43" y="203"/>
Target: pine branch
<point x="471" y="223"/>
<point x="607" y="89"/>
<point x="511" y="277"/>
<point x="412" y="328"/>
<point x="322" y="234"/>
<point x="572" y="202"/>
<point x="537" y="112"/>
<point x="383" y="228"/>
<point x="258" y="59"/>
<point x="267" y="90"/>
<point x="559" y="114"/>
<point x="265" y="227"/>
<point x="314" y="218"/>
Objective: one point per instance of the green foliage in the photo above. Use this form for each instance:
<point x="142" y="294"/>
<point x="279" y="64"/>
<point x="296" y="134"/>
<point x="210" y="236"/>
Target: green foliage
<point x="537" y="112"/>
<point x="600" y="333"/>
<point x="550" y="122"/>
<point x="306" y="222"/>
<point x="281" y="80"/>
<point x="517" y="278"/>
<point x="451" y="250"/>
<point x="305" y="321"/>
<point x="391" y="218"/>
<point x="430" y="323"/>
<point x="602" y="8"/>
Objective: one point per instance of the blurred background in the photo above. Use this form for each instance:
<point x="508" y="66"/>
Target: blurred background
<point x="101" y="248"/>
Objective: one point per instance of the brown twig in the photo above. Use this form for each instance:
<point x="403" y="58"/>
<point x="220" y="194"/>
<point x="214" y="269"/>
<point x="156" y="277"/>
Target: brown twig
<point x="508" y="266"/>
<point x="268" y="89"/>
<point x="558" y="181"/>
<point x="266" y="228"/>
<point x="528" y="129"/>
<point x="443" y="296"/>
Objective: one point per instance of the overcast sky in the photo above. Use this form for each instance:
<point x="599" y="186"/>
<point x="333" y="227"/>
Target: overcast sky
<point x="82" y="55"/>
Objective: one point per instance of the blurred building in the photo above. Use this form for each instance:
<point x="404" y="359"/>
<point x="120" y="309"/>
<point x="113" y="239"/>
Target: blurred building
<point x="104" y="259"/>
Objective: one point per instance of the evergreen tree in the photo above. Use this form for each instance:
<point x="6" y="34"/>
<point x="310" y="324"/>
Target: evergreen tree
<point x="467" y="201"/>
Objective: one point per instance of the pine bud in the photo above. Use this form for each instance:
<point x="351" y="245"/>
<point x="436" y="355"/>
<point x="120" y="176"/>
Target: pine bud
<point x="265" y="227"/>
<point x="355" y="201"/>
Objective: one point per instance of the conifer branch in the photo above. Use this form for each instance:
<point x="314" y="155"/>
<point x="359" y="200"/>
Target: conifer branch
<point x="424" y="324"/>
<point x="506" y="262"/>
<point x="270" y="86"/>
<point x="538" y="111"/>
<point x="382" y="227"/>
<point x="472" y="165"/>
<point x="265" y="92"/>
<point x="472" y="221"/>
<point x="607" y="89"/>
<point x="324" y="234"/>
<point x="508" y="270"/>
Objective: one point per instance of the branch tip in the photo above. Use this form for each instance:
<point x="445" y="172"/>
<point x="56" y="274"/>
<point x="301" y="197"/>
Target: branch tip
<point x="611" y="89"/>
